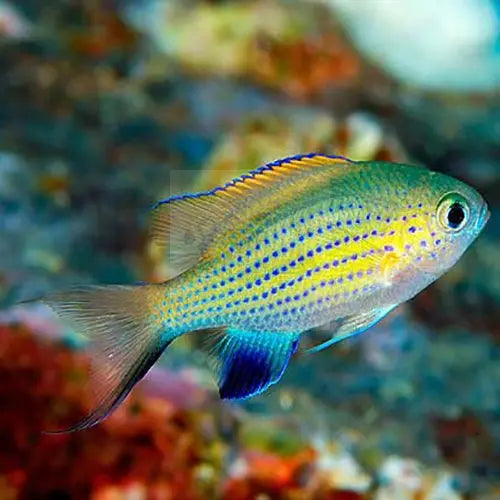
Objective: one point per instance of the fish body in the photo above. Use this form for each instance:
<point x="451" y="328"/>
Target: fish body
<point x="323" y="255"/>
<point x="298" y="243"/>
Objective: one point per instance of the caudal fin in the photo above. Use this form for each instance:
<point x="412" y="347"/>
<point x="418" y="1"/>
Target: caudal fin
<point x="124" y="339"/>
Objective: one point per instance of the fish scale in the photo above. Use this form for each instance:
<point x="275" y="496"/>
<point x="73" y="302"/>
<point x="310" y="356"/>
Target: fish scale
<point x="321" y="255"/>
<point x="301" y="242"/>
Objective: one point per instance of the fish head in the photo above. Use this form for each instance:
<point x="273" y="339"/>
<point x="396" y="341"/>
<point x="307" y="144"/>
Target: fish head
<point x="455" y="214"/>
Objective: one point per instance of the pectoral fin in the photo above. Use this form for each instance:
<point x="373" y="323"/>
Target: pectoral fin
<point x="246" y="363"/>
<point x="352" y="325"/>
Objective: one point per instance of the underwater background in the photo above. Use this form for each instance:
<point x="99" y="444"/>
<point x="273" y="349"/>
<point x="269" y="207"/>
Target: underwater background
<point x="109" y="105"/>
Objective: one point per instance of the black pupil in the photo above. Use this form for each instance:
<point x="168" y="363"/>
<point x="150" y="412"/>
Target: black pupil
<point x="456" y="215"/>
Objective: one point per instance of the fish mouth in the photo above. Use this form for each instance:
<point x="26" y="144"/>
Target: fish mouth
<point x="484" y="215"/>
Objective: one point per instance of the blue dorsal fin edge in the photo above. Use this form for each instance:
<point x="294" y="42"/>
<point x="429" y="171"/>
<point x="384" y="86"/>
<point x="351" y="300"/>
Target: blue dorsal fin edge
<point x="246" y="363"/>
<point x="250" y="175"/>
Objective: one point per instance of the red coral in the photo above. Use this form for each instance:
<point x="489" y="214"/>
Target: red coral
<point x="147" y="442"/>
<point x="269" y="473"/>
<point x="149" y="447"/>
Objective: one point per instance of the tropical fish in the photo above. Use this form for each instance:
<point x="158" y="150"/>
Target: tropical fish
<point x="293" y="245"/>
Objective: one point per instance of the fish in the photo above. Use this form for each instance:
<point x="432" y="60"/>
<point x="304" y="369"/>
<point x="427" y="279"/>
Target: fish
<point x="295" y="244"/>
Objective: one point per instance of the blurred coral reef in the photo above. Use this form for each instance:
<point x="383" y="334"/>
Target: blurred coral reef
<point x="154" y="447"/>
<point x="108" y="106"/>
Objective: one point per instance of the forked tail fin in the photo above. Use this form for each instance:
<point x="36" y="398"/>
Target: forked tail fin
<point x="124" y="339"/>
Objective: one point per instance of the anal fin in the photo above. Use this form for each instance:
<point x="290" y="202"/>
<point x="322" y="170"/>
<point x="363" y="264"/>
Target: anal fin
<point x="246" y="363"/>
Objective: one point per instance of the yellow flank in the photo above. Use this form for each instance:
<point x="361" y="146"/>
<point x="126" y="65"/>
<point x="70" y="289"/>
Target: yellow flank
<point x="297" y="261"/>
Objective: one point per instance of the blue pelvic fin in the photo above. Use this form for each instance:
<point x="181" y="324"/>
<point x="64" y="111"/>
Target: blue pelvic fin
<point x="246" y="363"/>
<point x="352" y="325"/>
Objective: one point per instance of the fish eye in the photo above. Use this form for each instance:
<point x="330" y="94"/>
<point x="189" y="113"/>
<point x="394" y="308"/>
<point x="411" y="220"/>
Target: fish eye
<point x="453" y="212"/>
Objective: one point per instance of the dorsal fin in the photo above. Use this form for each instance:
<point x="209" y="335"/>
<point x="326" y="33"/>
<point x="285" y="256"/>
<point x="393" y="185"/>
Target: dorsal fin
<point x="186" y="225"/>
